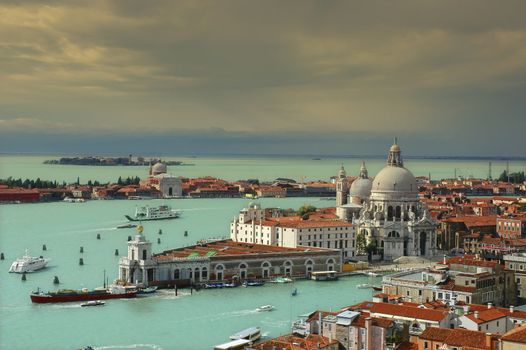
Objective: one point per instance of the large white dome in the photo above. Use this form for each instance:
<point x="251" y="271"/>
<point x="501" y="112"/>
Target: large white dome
<point x="394" y="179"/>
<point x="361" y="188"/>
<point x="159" y="168"/>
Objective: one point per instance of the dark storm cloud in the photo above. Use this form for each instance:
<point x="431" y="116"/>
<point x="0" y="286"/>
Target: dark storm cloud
<point x="454" y="70"/>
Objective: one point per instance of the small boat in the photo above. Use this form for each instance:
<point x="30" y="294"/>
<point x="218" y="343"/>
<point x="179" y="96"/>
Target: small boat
<point x="300" y="328"/>
<point x="252" y="283"/>
<point x="378" y="289"/>
<point x="294" y="292"/>
<point x="127" y="226"/>
<point x="238" y="344"/>
<point x="252" y="334"/>
<point x="372" y="274"/>
<point x="281" y="280"/>
<point x="148" y="290"/>
<point x="214" y="285"/>
<point x="364" y="286"/>
<point x="74" y="200"/>
<point x="28" y="263"/>
<point x="93" y="303"/>
<point x="265" y="308"/>
<point x="147" y="213"/>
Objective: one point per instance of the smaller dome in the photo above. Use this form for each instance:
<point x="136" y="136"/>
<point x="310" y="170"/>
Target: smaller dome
<point x="361" y="187"/>
<point x="395" y="148"/>
<point x="159" y="168"/>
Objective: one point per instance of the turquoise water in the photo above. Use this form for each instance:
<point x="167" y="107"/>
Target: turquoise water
<point x="164" y="321"/>
<point x="236" y="168"/>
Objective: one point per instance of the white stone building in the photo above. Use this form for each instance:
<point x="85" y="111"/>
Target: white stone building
<point x="393" y="217"/>
<point x="169" y="185"/>
<point x="251" y="226"/>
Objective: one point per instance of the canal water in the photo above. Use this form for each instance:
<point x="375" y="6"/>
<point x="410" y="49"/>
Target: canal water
<point x="164" y="321"/>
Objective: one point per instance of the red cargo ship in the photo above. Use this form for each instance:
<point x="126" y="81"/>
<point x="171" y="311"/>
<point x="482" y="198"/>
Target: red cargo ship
<point x="66" y="295"/>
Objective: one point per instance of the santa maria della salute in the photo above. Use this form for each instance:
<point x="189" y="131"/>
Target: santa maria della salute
<point x="387" y="210"/>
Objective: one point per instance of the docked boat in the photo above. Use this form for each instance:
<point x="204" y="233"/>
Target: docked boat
<point x="147" y="213"/>
<point x="324" y="275"/>
<point x="238" y="344"/>
<point x="265" y="308"/>
<point x="127" y="226"/>
<point x="28" y="263"/>
<point x="364" y="286"/>
<point x="252" y="283"/>
<point x="67" y="295"/>
<point x="93" y="303"/>
<point x="147" y="290"/>
<point x="252" y="334"/>
<point x="280" y="280"/>
<point x="74" y="200"/>
<point x="300" y="328"/>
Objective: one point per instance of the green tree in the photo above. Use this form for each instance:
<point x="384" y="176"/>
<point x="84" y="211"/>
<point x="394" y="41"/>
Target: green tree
<point x="361" y="243"/>
<point x="306" y="209"/>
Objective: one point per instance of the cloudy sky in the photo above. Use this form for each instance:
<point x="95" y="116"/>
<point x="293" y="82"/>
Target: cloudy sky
<point x="316" y="77"/>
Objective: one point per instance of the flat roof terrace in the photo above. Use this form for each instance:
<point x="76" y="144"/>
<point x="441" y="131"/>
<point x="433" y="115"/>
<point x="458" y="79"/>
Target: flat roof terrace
<point x="229" y="248"/>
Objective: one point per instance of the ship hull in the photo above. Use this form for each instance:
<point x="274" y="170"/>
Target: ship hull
<point x="56" y="298"/>
<point x="143" y="219"/>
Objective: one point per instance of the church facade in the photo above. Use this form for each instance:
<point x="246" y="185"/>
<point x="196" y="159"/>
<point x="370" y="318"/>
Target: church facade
<point x="391" y="215"/>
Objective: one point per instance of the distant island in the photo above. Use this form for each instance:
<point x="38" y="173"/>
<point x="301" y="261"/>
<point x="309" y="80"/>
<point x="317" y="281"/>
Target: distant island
<point x="110" y="161"/>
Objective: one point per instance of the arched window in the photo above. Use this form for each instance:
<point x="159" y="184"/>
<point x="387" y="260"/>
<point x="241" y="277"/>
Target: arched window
<point x="398" y="212"/>
<point x="204" y="273"/>
<point x="309" y="266"/>
<point x="393" y="234"/>
<point x="389" y="213"/>
<point x="288" y="267"/>
<point x="197" y="274"/>
<point x="219" y="272"/>
<point x="330" y="264"/>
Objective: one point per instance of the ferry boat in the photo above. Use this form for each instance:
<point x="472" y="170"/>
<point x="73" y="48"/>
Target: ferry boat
<point x="67" y="295"/>
<point x="252" y="334"/>
<point x="28" y="263"/>
<point x="147" y="213"/>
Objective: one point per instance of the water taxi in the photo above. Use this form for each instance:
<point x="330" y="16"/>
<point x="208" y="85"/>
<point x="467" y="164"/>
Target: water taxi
<point x="265" y="308"/>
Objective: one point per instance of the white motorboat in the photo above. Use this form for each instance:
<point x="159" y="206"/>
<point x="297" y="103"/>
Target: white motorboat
<point x="372" y="274"/>
<point x="364" y="286"/>
<point x="252" y="334"/>
<point x="280" y="279"/>
<point x="73" y="200"/>
<point x="93" y="303"/>
<point x="28" y="263"/>
<point x="238" y="344"/>
<point x="265" y="308"/>
<point x="147" y="213"/>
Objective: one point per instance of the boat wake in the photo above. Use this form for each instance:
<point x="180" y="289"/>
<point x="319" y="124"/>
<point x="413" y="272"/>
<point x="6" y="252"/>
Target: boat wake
<point x="130" y="346"/>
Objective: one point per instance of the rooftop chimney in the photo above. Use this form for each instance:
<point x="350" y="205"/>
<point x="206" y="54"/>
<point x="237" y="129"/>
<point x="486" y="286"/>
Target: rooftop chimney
<point x="511" y="309"/>
<point x="488" y="341"/>
<point x="444" y="261"/>
<point x="476" y="314"/>
<point x="489" y="305"/>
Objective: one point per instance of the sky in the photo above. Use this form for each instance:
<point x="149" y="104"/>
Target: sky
<point x="269" y="77"/>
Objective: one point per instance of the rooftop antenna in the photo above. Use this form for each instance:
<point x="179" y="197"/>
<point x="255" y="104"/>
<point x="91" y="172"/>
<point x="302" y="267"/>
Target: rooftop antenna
<point x="489" y="171"/>
<point x="508" y="170"/>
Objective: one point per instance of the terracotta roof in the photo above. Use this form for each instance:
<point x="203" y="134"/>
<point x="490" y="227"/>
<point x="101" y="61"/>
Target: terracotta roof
<point x="516" y="335"/>
<point x="408" y="311"/>
<point x="486" y="315"/>
<point x="230" y="248"/>
<point x="291" y="342"/>
<point x="458" y="337"/>
<point x="376" y="321"/>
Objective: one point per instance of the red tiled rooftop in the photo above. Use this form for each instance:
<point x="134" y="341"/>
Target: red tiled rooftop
<point x="457" y="337"/>
<point x="408" y="311"/>
<point x="517" y="335"/>
<point x="291" y="342"/>
<point x="486" y="315"/>
<point x="230" y="248"/>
